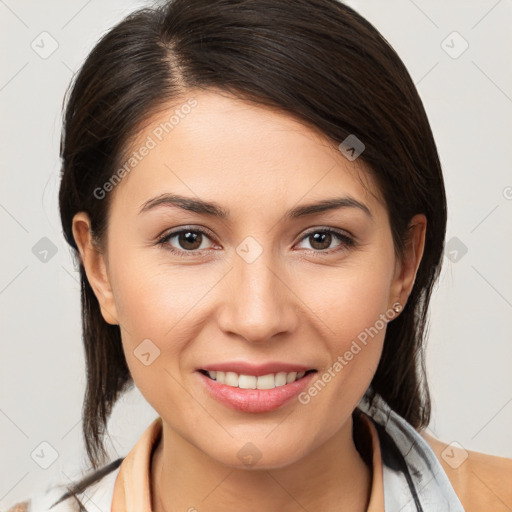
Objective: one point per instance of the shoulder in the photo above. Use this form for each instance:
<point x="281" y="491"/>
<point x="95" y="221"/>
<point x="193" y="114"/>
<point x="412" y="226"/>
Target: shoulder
<point x="481" y="481"/>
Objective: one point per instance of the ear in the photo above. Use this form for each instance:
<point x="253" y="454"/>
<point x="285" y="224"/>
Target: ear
<point x="95" y="265"/>
<point x="407" y="267"/>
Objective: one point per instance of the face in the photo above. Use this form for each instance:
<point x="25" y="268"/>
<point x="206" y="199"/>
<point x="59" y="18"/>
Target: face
<point x="252" y="277"/>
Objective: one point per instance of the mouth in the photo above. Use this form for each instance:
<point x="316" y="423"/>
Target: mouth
<point x="249" y="393"/>
<point x="245" y="381"/>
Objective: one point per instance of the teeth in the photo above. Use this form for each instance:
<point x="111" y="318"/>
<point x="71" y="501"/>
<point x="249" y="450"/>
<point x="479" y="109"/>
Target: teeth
<point x="270" y="381"/>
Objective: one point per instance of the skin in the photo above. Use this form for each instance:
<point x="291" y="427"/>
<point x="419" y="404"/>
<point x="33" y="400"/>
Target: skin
<point x="293" y="303"/>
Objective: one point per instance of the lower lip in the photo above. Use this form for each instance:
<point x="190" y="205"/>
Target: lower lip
<point x="255" y="400"/>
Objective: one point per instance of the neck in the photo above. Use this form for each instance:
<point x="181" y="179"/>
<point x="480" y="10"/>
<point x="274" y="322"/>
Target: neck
<point x="333" y="477"/>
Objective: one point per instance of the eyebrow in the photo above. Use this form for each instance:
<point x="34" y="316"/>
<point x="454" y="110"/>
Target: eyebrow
<point x="215" y="210"/>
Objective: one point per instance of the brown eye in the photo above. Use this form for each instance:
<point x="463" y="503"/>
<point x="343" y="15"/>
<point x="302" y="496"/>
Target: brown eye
<point x="320" y="241"/>
<point x="186" y="241"/>
<point x="190" y="240"/>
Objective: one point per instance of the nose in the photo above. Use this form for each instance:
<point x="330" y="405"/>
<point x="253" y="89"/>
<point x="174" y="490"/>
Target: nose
<point x="259" y="302"/>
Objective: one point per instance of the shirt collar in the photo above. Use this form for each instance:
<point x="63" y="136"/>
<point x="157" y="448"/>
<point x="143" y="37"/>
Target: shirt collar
<point x="132" y="491"/>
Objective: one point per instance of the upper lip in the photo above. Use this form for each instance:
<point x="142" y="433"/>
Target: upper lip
<point x="243" y="368"/>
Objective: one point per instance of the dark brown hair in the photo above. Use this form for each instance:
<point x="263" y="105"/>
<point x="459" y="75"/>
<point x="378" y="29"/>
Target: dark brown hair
<point x="317" y="60"/>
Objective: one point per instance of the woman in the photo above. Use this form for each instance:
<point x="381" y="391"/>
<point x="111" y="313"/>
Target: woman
<point x="256" y="203"/>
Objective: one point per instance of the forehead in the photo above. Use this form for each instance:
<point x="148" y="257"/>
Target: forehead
<point x="214" y="145"/>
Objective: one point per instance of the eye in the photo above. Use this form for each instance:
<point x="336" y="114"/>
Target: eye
<point x="185" y="240"/>
<point x="320" y="240"/>
<point x="189" y="241"/>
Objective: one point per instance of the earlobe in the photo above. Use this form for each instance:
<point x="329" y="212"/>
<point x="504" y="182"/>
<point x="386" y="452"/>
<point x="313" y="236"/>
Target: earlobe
<point x="407" y="268"/>
<point x="94" y="263"/>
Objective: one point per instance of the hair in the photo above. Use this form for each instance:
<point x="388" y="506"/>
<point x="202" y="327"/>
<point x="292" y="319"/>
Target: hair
<point x="316" y="60"/>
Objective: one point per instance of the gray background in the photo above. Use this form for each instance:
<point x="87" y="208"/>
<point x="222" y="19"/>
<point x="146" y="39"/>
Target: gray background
<point x="468" y="97"/>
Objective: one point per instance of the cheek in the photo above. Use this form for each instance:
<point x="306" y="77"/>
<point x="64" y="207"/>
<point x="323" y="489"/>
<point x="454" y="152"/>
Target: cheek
<point x="353" y="308"/>
<point x="348" y="300"/>
<point x="153" y="298"/>
<point x="159" y="308"/>
<point x="155" y="304"/>
<point x="351" y="304"/>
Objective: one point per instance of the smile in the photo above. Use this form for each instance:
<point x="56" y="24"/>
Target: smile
<point x="269" y="381"/>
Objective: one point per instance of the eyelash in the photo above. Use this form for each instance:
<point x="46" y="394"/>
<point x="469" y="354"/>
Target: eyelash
<point x="347" y="242"/>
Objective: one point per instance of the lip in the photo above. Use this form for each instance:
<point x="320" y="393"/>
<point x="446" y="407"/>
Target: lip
<point x="243" y="368"/>
<point x="255" y="400"/>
